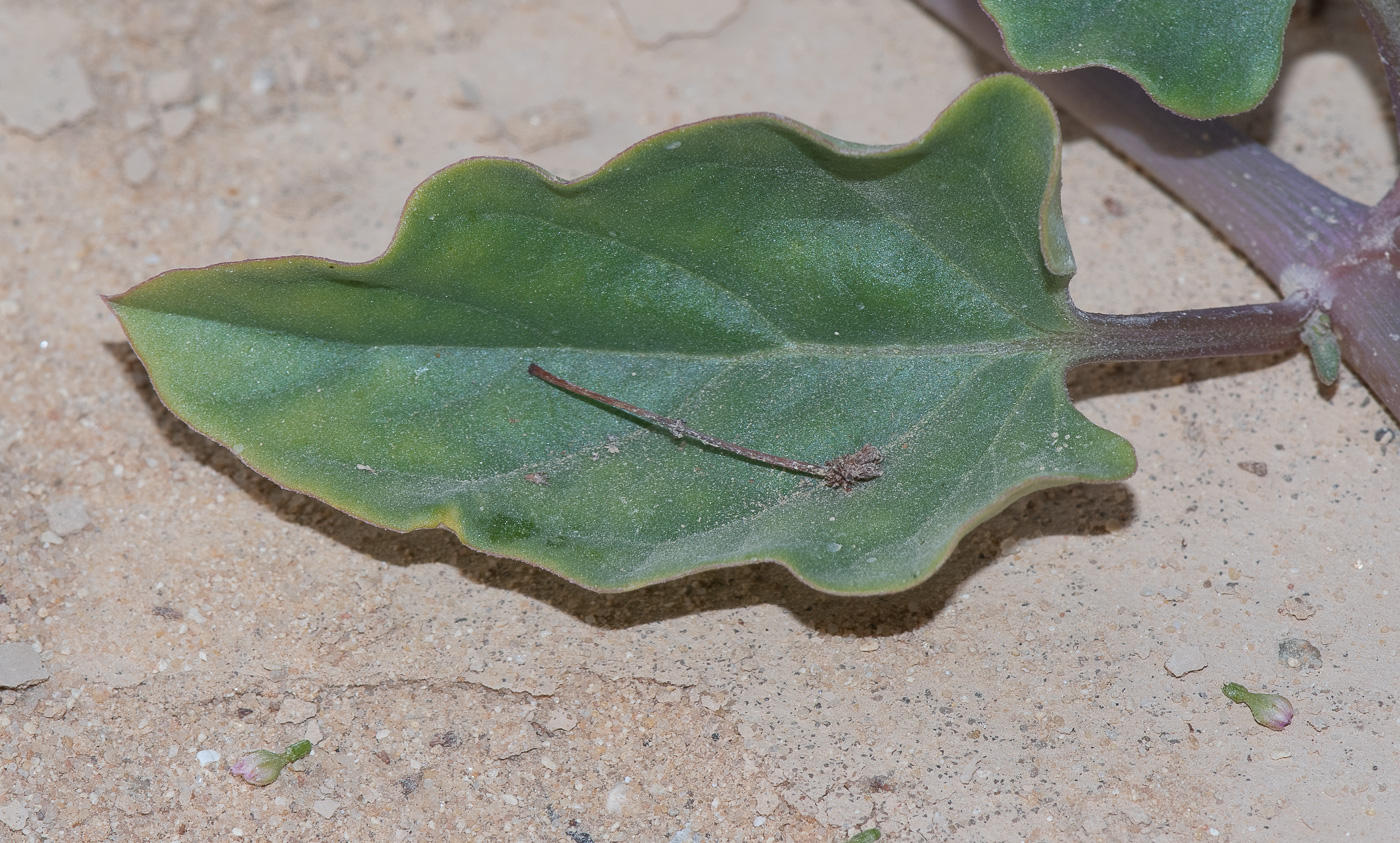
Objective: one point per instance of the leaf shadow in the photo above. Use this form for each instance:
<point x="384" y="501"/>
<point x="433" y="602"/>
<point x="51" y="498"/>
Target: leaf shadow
<point x="1098" y="379"/>
<point x="1320" y="26"/>
<point x="1083" y="509"/>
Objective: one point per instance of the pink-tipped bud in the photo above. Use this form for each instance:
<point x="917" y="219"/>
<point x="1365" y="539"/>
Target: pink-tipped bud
<point x="262" y="767"/>
<point x="1269" y="710"/>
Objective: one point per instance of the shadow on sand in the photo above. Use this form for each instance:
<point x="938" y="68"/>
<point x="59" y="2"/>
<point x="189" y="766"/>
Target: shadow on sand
<point x="1072" y="510"/>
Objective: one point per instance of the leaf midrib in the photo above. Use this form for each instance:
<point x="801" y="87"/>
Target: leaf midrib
<point x="1066" y="341"/>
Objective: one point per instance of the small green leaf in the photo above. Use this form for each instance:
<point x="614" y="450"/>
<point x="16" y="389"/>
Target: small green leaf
<point x="1202" y="58"/>
<point x="770" y="285"/>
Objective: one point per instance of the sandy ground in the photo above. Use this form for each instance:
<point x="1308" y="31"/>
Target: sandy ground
<point x="181" y="604"/>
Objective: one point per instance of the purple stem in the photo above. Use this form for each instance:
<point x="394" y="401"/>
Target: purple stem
<point x="1263" y="206"/>
<point x="1301" y="235"/>
<point x="1362" y="290"/>
<point x="1209" y="332"/>
<point x="1362" y="295"/>
<point x="1383" y="17"/>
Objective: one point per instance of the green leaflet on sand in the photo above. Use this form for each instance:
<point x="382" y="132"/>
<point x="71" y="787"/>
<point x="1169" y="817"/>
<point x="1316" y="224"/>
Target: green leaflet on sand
<point x="770" y="285"/>
<point x="1201" y="58"/>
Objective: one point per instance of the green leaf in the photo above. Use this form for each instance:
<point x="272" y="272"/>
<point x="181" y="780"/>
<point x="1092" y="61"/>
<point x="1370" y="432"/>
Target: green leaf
<point x="772" y="286"/>
<point x="1202" y="58"/>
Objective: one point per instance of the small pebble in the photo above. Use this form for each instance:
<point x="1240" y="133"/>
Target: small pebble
<point x="137" y="120"/>
<point x="138" y="166"/>
<point x="466" y="95"/>
<point x="177" y="122"/>
<point x="172" y="87"/>
<point x="1318" y="723"/>
<point x="14" y="815"/>
<point x="205" y="757"/>
<point x="42" y="92"/>
<point x="295" y="711"/>
<point x="67" y="515"/>
<point x="1298" y="608"/>
<point x="617" y="799"/>
<point x="20" y="666"/>
<point x="1258" y="469"/>
<point x="559" y="721"/>
<point x="325" y="807"/>
<point x="262" y="82"/>
<point x="1298" y="653"/>
<point x="1188" y="659"/>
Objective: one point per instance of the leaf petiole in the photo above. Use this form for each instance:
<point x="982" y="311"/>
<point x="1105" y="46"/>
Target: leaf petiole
<point x="841" y="473"/>
<point x="1233" y="331"/>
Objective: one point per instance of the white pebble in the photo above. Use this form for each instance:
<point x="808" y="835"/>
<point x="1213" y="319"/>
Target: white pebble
<point x="172" y="87"/>
<point x="325" y="807"/>
<point x="42" y="91"/>
<point x="138" y="166"/>
<point x="617" y="799"/>
<point x="1188" y="659"/>
<point x="262" y="82"/>
<point x="205" y="757"/>
<point x="177" y="122"/>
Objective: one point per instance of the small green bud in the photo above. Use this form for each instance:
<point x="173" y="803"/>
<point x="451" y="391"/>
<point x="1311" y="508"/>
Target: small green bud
<point x="1322" y="345"/>
<point x="1269" y="710"/>
<point x="262" y="766"/>
<point x="870" y="835"/>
